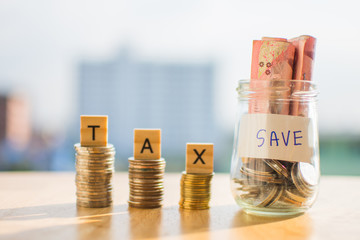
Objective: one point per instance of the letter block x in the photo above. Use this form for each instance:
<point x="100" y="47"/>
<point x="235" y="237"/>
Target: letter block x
<point x="199" y="158"/>
<point x="147" y="144"/>
<point x="93" y="130"/>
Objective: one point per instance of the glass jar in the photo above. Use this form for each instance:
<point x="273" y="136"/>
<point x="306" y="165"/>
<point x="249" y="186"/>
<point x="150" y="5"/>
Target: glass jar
<point x="275" y="162"/>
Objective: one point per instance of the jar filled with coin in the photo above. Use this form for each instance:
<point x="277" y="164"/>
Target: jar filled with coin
<point x="275" y="163"/>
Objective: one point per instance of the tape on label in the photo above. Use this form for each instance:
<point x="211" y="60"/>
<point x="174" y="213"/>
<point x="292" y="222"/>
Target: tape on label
<point x="275" y="136"/>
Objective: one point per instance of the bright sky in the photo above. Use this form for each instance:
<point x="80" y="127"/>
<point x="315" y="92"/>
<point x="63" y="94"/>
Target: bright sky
<point x="41" y="41"/>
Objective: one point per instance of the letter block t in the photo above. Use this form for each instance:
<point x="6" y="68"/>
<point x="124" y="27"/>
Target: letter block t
<point x="147" y="144"/>
<point x="199" y="157"/>
<point x="93" y="131"/>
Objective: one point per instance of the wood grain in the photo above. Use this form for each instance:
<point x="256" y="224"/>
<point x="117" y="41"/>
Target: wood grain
<point x="147" y="144"/>
<point x="199" y="158"/>
<point x="42" y="206"/>
<point x="93" y="130"/>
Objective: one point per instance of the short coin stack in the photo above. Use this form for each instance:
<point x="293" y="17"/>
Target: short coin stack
<point x="94" y="171"/>
<point x="195" y="190"/>
<point x="276" y="184"/>
<point x="146" y="182"/>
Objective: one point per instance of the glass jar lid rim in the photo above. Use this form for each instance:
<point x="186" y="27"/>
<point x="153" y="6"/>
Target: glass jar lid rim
<point x="286" y="88"/>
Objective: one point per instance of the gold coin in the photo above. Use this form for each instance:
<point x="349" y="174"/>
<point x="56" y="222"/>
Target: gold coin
<point x="94" y="204"/>
<point x="94" y="194"/>
<point x="144" y="189"/>
<point x="260" y="176"/>
<point x="95" y="187"/>
<point x="146" y="181"/>
<point x="103" y="164"/>
<point x="93" y="200"/>
<point x="91" y="181"/>
<point x="269" y="197"/>
<point x="132" y="159"/>
<point x="259" y="165"/>
<point x="278" y="167"/>
<point x="93" y="190"/>
<point x="137" y="194"/>
<point x="108" y="157"/>
<point x="145" y="198"/>
<point x="144" y="205"/>
<point x="302" y="186"/>
<point x="295" y="197"/>
<point x="78" y="147"/>
<point x="134" y="190"/>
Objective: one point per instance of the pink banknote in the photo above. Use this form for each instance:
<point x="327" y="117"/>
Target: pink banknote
<point x="303" y="65"/>
<point x="272" y="60"/>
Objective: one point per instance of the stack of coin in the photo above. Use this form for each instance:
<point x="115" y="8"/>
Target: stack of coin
<point x="195" y="190"/>
<point x="94" y="171"/>
<point x="146" y="182"/>
<point x="275" y="183"/>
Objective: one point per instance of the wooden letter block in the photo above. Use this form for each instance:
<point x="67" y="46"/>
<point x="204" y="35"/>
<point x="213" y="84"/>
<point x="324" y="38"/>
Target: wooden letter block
<point x="147" y="144"/>
<point x="199" y="158"/>
<point x="93" y="131"/>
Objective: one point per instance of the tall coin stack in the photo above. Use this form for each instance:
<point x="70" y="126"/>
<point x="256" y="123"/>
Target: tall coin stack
<point x="146" y="170"/>
<point x="196" y="180"/>
<point x="94" y="163"/>
<point x="94" y="172"/>
<point x="146" y="183"/>
<point x="195" y="191"/>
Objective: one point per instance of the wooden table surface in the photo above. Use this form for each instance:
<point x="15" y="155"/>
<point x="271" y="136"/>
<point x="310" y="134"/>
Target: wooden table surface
<point x="42" y="206"/>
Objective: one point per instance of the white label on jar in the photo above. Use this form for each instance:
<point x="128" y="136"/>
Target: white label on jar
<point x="276" y="136"/>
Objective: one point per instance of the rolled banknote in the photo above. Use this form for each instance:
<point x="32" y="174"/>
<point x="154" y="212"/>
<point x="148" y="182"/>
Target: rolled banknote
<point x="303" y="65"/>
<point x="304" y="57"/>
<point x="272" y="59"/>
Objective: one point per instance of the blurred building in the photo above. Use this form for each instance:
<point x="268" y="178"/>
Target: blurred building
<point x="176" y="97"/>
<point x="15" y="126"/>
<point x="15" y="132"/>
<point x="22" y="147"/>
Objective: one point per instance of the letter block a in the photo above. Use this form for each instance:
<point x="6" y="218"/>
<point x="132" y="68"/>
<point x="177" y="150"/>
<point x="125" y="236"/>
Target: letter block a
<point x="199" y="158"/>
<point x="93" y="131"/>
<point x="147" y="144"/>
